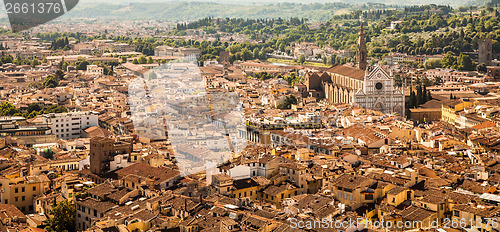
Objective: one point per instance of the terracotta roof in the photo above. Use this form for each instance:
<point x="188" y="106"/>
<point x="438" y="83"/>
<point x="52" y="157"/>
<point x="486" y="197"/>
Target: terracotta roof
<point x="396" y="190"/>
<point x="10" y="211"/>
<point x="413" y="213"/>
<point x="348" y="181"/>
<point x="485" y="125"/>
<point x="221" y="177"/>
<point x="97" y="205"/>
<point x="274" y="190"/>
<point x="347" y="71"/>
<point x="158" y="174"/>
<point x="96" y="131"/>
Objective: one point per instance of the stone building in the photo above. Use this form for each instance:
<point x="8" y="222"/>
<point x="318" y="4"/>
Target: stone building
<point x="485" y="53"/>
<point x="378" y="93"/>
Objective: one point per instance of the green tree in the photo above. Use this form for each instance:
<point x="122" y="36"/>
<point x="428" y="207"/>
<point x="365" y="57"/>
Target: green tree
<point x="424" y="94"/>
<point x="50" y="82"/>
<point x="481" y="68"/>
<point x="292" y="79"/>
<point x="143" y="60"/>
<point x="63" y="217"/>
<point x="419" y="97"/>
<point x="8" y="109"/>
<point x="246" y="54"/>
<point x="464" y="62"/>
<point x="256" y="53"/>
<point x="35" y="63"/>
<point x="432" y="63"/>
<point x="287" y="104"/>
<point x="82" y="64"/>
<point x="449" y="60"/>
<point x="282" y="47"/>
<point x="302" y="59"/>
<point x="413" y="98"/>
<point x="59" y="75"/>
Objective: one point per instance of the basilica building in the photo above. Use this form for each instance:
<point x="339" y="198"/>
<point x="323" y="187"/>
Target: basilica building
<point x="363" y="86"/>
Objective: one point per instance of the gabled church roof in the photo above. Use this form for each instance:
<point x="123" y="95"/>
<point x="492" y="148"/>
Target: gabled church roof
<point x="348" y="71"/>
<point x="360" y="92"/>
<point x="377" y="69"/>
<point x="398" y="92"/>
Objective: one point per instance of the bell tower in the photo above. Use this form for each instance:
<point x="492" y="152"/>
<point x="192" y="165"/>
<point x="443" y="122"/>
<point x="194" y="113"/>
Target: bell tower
<point x="361" y="52"/>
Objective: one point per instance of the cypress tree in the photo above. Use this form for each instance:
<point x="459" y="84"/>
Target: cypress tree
<point x="424" y="93"/>
<point x="413" y="99"/>
<point x="419" y="96"/>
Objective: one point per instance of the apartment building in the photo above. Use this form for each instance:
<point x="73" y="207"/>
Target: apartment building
<point x="354" y="191"/>
<point x="21" y="191"/>
<point x="94" y="70"/>
<point x="70" y="125"/>
<point x="448" y="75"/>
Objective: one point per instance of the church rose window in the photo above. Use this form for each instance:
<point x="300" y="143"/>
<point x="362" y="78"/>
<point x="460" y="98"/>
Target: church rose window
<point x="378" y="86"/>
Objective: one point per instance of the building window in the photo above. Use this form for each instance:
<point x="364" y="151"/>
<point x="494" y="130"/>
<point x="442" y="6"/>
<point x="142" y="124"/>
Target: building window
<point x="23" y="189"/>
<point x="16" y="190"/>
<point x="16" y="199"/>
<point x="34" y="188"/>
<point x="23" y="198"/>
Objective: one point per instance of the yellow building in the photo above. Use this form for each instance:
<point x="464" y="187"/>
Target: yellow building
<point x="20" y="191"/>
<point x="275" y="194"/>
<point x="222" y="183"/>
<point x="67" y="164"/>
<point x="470" y="215"/>
<point x="450" y="108"/>
<point x="354" y="191"/>
<point x="398" y="194"/>
<point x="249" y="188"/>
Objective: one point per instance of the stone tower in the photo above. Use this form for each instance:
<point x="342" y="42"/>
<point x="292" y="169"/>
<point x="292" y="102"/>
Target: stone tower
<point x="361" y="53"/>
<point x="485" y="51"/>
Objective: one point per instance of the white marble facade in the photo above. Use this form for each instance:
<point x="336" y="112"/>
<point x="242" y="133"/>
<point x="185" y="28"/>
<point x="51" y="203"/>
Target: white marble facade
<point x="379" y="93"/>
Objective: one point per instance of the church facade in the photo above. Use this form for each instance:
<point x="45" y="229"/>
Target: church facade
<point x="378" y="93"/>
<point x="369" y="88"/>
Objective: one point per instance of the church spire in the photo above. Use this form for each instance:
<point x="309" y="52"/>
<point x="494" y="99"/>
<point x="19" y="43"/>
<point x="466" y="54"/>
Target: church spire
<point x="361" y="53"/>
